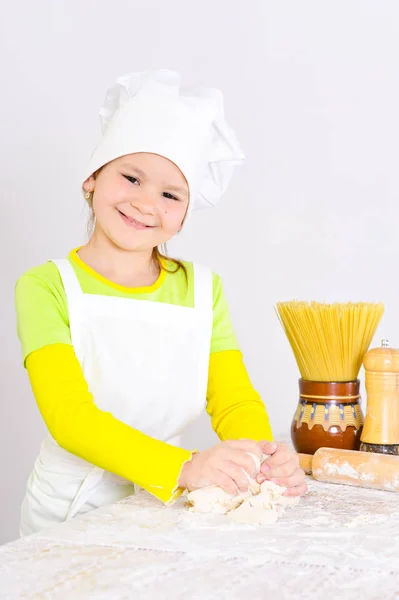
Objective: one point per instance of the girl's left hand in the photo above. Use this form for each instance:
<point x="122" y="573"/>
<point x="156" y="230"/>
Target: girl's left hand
<point x="282" y="467"/>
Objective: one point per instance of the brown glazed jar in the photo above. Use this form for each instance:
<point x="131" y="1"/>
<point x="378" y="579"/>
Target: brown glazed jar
<point x="328" y="415"/>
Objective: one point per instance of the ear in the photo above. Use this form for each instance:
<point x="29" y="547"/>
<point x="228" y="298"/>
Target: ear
<point x="89" y="184"/>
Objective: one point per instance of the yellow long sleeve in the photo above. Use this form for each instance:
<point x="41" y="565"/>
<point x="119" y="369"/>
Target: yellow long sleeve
<point x="80" y="427"/>
<point x="235" y="408"/>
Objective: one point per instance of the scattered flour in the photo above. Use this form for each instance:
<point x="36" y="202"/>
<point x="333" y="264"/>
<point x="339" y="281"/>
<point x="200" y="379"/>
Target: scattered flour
<point x="365" y="519"/>
<point x="344" y="469"/>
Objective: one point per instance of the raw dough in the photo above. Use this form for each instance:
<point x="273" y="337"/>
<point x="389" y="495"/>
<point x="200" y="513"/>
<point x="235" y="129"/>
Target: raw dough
<point x="265" y="507"/>
<point x="261" y="505"/>
<point x="213" y="499"/>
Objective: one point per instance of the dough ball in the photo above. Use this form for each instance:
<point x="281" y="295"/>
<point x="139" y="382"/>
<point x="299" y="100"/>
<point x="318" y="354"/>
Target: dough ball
<point x="213" y="499"/>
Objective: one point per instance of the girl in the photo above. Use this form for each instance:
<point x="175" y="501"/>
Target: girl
<point x="123" y="345"/>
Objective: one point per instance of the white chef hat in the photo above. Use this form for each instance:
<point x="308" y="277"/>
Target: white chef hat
<point x="150" y="112"/>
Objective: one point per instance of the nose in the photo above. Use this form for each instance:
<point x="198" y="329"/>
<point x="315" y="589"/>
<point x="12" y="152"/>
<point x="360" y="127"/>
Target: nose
<point x="145" y="202"/>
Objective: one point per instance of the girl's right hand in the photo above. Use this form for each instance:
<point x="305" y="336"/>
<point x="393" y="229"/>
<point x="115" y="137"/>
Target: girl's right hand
<point x="227" y="465"/>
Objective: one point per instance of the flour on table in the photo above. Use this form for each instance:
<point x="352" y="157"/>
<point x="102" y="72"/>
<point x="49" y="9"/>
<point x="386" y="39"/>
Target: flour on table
<point x="260" y="505"/>
<point x="366" y="519"/>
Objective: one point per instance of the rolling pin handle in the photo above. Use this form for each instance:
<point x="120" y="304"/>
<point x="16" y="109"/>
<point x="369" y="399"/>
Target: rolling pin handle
<point x="305" y="462"/>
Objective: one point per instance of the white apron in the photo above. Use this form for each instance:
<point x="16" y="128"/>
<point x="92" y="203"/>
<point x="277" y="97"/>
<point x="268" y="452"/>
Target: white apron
<point x="146" y="363"/>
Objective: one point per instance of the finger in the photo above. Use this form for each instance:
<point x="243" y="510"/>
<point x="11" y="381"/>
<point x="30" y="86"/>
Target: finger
<point x="238" y="475"/>
<point x="246" y="446"/>
<point x="281" y="457"/>
<point x="225" y="482"/>
<point x="286" y="470"/>
<point x="268" y="447"/>
<point x="245" y="461"/>
<point x="240" y="457"/>
<point x="260" y="478"/>
<point x="296" y="491"/>
<point x="277" y="446"/>
<point x="295" y="480"/>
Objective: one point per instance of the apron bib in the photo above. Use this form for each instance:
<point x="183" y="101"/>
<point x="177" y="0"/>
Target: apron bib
<point x="147" y="364"/>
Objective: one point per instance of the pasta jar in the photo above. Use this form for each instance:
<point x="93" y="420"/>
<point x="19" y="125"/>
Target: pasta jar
<point x="328" y="415"/>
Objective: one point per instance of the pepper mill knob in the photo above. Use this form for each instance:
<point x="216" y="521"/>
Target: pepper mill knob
<point x="381" y="427"/>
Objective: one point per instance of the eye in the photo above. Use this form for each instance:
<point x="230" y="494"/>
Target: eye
<point x="171" y="197"/>
<point x="132" y="179"/>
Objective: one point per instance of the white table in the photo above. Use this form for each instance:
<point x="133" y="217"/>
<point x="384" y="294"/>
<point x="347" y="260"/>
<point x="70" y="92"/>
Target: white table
<point x="340" y="542"/>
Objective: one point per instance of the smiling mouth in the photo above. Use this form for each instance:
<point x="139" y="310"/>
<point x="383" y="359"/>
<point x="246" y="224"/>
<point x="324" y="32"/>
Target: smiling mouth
<point x="132" y="222"/>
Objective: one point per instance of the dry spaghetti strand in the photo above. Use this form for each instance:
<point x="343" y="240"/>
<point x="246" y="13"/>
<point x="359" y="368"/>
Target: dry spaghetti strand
<point x="329" y="341"/>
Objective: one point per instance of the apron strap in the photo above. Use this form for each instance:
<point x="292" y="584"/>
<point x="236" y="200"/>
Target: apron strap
<point x="69" y="278"/>
<point x="203" y="288"/>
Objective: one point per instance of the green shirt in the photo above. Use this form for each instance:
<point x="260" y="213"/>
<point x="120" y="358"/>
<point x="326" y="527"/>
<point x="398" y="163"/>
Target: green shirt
<point x="42" y="310"/>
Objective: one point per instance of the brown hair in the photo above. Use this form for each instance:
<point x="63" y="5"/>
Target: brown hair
<point x="159" y="257"/>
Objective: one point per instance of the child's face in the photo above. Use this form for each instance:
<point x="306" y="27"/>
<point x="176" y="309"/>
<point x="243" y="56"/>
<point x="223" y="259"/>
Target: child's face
<point x="140" y="200"/>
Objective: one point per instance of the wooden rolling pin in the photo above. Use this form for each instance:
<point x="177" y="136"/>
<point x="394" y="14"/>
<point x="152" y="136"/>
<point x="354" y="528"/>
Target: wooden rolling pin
<point x="362" y="469"/>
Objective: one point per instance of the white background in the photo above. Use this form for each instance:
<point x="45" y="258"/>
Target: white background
<point x="312" y="90"/>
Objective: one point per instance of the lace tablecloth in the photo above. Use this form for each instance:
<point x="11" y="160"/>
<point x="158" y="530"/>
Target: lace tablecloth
<point x="340" y="542"/>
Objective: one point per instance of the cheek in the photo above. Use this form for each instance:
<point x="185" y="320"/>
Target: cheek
<point x="109" y="195"/>
<point x="101" y="209"/>
<point x="173" y="216"/>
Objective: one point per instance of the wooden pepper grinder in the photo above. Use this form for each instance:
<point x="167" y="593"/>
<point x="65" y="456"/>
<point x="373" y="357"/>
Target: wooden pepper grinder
<point x="381" y="427"/>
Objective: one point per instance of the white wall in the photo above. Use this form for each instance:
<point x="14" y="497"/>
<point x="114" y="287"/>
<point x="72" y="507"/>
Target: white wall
<point x="312" y="90"/>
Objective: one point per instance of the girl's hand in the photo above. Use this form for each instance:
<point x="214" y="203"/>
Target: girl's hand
<point x="227" y="465"/>
<point x="283" y="468"/>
